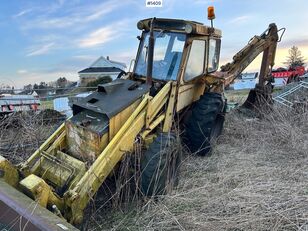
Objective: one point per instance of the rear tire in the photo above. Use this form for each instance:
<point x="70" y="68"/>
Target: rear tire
<point x="160" y="165"/>
<point x="206" y="123"/>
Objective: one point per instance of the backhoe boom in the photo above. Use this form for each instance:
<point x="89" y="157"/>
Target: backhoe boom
<point x="266" y="43"/>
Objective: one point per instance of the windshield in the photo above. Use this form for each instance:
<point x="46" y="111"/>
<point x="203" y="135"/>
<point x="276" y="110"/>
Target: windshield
<point x="168" y="49"/>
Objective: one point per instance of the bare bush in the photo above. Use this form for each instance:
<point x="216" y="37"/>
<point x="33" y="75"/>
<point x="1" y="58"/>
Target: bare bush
<point x="22" y="133"/>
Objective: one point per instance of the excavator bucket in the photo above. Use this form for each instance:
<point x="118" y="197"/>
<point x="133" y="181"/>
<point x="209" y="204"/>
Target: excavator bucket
<point x="259" y="97"/>
<point x="19" y="212"/>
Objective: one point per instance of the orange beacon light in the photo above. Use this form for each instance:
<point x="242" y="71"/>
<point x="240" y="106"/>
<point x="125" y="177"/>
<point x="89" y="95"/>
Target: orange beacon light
<point x="211" y="13"/>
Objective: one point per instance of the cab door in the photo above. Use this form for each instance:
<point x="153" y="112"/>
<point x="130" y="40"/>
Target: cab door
<point x="202" y="57"/>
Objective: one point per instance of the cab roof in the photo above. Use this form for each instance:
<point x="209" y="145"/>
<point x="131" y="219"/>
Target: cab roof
<point x="178" y="25"/>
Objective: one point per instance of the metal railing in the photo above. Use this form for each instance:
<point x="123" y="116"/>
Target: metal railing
<point x="282" y="98"/>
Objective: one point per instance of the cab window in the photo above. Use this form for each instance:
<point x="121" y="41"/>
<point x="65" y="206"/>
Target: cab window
<point x="195" y="62"/>
<point x="213" y="58"/>
<point x="168" y="49"/>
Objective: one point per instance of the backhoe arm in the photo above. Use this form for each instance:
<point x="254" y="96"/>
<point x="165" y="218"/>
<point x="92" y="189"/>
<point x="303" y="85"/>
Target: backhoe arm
<point x="266" y="43"/>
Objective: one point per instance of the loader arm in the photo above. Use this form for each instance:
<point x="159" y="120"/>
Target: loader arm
<point x="149" y="112"/>
<point x="142" y="121"/>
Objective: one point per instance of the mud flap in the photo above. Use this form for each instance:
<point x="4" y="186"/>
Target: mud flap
<point x="19" y="212"/>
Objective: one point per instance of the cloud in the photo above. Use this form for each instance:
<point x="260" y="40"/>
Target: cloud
<point x="300" y="42"/>
<point x="47" y="27"/>
<point x="77" y="62"/>
<point x="204" y="2"/>
<point x="74" y="16"/>
<point x="37" y="76"/>
<point x="22" y="13"/>
<point x="61" y="2"/>
<point x="99" y="12"/>
<point x="98" y="37"/>
<point x="84" y="57"/>
<point x="95" y="38"/>
<point x="22" y="71"/>
<point x="240" y="19"/>
<point x="41" y="50"/>
<point x="125" y="57"/>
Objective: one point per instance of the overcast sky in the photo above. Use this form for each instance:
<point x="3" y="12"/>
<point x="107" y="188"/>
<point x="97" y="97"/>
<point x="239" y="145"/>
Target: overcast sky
<point x="43" y="40"/>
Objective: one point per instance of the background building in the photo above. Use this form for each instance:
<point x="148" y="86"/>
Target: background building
<point x="100" y="68"/>
<point x="15" y="103"/>
<point x="245" y="81"/>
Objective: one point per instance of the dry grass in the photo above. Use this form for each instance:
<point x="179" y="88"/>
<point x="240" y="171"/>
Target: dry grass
<point x="121" y="197"/>
<point x="256" y="179"/>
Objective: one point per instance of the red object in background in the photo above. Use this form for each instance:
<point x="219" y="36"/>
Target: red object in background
<point x="292" y="74"/>
<point x="11" y="107"/>
<point x="34" y="107"/>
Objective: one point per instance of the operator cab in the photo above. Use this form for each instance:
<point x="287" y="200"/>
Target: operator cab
<point x="167" y="55"/>
<point x="183" y="50"/>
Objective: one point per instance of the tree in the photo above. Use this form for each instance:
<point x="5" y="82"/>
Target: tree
<point x="295" y="58"/>
<point x="62" y="82"/>
<point x="100" y="80"/>
<point x="42" y="85"/>
<point x="41" y="88"/>
<point x="28" y="87"/>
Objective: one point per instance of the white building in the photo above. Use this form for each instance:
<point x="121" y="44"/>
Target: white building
<point x="246" y="81"/>
<point x="100" y="68"/>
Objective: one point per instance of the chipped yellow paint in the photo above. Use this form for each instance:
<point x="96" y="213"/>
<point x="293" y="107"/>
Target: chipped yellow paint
<point x="39" y="190"/>
<point x="8" y="172"/>
<point x="119" y="119"/>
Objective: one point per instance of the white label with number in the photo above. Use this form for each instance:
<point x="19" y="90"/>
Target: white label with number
<point x="153" y="3"/>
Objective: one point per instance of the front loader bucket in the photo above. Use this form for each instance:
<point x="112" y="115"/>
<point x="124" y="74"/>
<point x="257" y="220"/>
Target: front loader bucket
<point x="19" y="212"/>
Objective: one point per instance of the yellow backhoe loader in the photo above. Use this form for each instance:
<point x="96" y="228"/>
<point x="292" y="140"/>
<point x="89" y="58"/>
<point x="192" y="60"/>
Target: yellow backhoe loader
<point x="175" y="83"/>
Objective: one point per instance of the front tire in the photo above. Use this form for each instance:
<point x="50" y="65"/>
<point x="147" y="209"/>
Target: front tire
<point x="206" y="123"/>
<point x="160" y="165"/>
